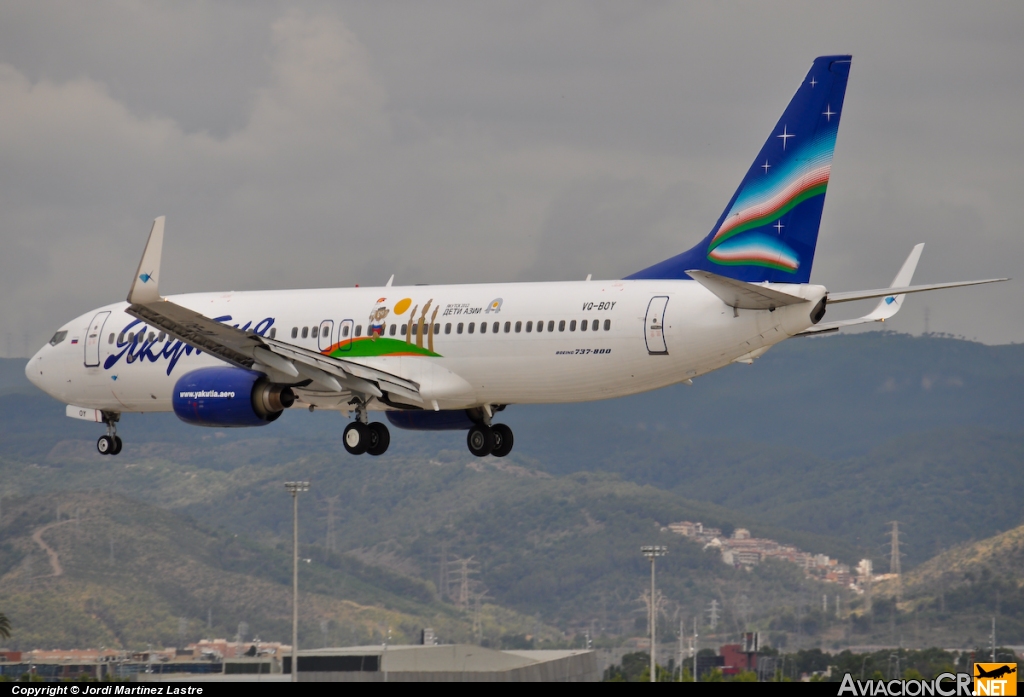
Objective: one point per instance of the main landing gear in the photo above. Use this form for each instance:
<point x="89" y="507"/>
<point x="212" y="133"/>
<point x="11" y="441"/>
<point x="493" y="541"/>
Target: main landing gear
<point x="109" y="444"/>
<point x="373" y="438"/>
<point x="361" y="436"/>
<point x="486" y="440"/>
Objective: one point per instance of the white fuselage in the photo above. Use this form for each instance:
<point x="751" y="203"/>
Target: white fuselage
<point x="648" y="334"/>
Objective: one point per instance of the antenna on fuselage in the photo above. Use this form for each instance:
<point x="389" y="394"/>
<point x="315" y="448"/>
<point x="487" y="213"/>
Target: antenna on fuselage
<point x="390" y="280"/>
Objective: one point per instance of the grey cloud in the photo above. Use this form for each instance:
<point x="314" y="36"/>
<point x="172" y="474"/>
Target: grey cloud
<point x="451" y="142"/>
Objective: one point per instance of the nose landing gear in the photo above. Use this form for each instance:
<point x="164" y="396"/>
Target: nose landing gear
<point x="109" y="444"/>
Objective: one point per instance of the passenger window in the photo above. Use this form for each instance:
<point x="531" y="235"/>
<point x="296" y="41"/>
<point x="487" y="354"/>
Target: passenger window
<point x="305" y="332"/>
<point x="540" y="326"/>
<point x="593" y="325"/>
<point x="519" y="327"/>
<point x="152" y="337"/>
<point x="495" y="327"/>
<point x="120" y="338"/>
<point x="471" y="325"/>
<point x="607" y="324"/>
<point x="405" y="329"/>
<point x="583" y="326"/>
<point x="131" y="337"/>
<point x="295" y="332"/>
<point x="572" y="326"/>
<point x="448" y="328"/>
<point x="561" y="325"/>
<point x="273" y="334"/>
<point x="483" y="327"/>
<point x="459" y="330"/>
<point x="325" y="331"/>
<point x="110" y="339"/>
<point x="344" y="331"/>
<point x="437" y="329"/>
<point x="58" y="337"/>
<point x="359" y="330"/>
<point x="392" y="330"/>
<point x="415" y="329"/>
<point x="529" y="327"/>
<point x="551" y="325"/>
<point x="508" y="327"/>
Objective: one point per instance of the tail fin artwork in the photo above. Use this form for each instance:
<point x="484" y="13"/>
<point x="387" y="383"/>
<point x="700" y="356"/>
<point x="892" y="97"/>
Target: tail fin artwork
<point x="769" y="230"/>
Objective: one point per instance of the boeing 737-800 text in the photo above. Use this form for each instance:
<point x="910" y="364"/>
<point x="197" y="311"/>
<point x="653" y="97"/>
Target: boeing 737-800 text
<point x="453" y="356"/>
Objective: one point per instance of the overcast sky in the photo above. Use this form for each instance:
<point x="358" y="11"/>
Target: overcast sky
<point x="329" y="144"/>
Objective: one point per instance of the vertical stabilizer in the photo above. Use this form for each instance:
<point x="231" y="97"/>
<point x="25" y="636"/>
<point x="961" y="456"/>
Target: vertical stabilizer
<point x="769" y="230"/>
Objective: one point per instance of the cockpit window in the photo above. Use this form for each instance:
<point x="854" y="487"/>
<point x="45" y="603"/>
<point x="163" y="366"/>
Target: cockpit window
<point x="58" y="337"/>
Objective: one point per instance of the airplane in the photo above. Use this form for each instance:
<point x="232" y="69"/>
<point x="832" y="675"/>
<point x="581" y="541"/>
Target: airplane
<point x="995" y="672"/>
<point x="452" y="357"/>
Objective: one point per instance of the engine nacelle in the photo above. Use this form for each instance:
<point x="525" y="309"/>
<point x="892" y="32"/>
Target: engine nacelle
<point x="226" y="397"/>
<point x="446" y="420"/>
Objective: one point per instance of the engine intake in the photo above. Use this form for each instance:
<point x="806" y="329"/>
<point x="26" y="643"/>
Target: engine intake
<point x="227" y="397"/>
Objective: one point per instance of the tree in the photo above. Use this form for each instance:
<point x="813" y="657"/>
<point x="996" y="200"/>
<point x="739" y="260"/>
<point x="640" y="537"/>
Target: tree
<point x="5" y="627"/>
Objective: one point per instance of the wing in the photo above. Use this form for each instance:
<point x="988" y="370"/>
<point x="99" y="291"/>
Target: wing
<point x="246" y="349"/>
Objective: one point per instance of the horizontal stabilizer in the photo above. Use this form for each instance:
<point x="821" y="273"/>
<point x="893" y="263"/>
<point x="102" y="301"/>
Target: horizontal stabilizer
<point x="742" y="295"/>
<point x="892" y="297"/>
<point x="850" y="296"/>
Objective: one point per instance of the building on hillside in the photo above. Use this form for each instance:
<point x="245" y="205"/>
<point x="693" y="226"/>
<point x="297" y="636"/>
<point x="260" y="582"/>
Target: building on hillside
<point x="742" y="550"/>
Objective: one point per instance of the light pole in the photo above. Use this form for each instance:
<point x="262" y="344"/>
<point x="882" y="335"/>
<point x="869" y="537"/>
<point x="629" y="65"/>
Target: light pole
<point x="652" y="552"/>
<point x="294" y="488"/>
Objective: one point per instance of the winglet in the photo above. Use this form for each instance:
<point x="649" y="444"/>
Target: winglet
<point x="145" y="286"/>
<point x="890" y="305"/>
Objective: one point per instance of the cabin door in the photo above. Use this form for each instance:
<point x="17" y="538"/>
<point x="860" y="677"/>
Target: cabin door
<point x="654" y="325"/>
<point x="93" y="339"/>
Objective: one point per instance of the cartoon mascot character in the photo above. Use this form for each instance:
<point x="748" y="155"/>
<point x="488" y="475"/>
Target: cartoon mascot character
<point x="377" y="323"/>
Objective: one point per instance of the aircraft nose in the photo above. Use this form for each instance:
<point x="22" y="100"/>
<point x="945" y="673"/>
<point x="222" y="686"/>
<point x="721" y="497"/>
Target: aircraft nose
<point x="34" y="369"/>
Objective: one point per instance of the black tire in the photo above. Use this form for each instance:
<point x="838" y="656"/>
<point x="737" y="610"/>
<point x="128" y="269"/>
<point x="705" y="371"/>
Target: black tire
<point x="480" y="441"/>
<point x="383" y="438"/>
<point x="117" y="445"/>
<point x="105" y="445"/>
<point x="502" y="440"/>
<point x="356" y="438"/>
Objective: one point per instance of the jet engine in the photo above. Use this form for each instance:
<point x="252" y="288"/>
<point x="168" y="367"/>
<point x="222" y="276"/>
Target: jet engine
<point x="229" y="397"/>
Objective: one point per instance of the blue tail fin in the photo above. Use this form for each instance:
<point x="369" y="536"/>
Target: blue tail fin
<point x="770" y="227"/>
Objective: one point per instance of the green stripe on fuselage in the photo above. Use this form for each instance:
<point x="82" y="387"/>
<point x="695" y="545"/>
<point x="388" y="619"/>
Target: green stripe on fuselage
<point x="362" y="347"/>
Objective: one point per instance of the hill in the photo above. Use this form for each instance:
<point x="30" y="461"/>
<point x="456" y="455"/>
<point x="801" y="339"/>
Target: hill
<point x="819" y="444"/>
<point x="98" y="569"/>
<point x="557" y="548"/>
<point x="963" y="588"/>
<point x="874" y="427"/>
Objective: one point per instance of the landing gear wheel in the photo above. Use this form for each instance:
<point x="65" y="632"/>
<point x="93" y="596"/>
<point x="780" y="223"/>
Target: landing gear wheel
<point x="480" y="441"/>
<point x="382" y="437"/>
<point x="357" y="438"/>
<point x="117" y="445"/>
<point x="502" y="440"/>
<point x="105" y="445"/>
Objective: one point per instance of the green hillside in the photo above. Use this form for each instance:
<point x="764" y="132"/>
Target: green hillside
<point x="819" y="444"/>
<point x="563" y="549"/>
<point x="122" y="573"/>
<point x="959" y="591"/>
